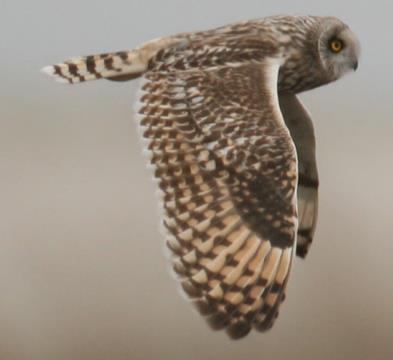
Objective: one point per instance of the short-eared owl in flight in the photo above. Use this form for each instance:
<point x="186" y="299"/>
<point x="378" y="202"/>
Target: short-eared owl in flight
<point x="233" y="150"/>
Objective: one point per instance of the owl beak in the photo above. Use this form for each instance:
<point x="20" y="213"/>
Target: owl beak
<point x="355" y="65"/>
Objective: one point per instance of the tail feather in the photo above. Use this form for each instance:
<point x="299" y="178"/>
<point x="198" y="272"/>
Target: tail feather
<point x="118" y="66"/>
<point x="94" y="67"/>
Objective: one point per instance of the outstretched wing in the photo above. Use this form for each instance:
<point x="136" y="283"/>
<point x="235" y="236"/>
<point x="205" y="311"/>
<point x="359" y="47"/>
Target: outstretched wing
<point x="227" y="167"/>
<point x="301" y="128"/>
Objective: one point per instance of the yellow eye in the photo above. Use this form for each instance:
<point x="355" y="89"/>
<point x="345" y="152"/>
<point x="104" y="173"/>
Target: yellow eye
<point x="336" y="45"/>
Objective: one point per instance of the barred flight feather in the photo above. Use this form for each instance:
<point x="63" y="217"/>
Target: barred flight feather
<point x="229" y="269"/>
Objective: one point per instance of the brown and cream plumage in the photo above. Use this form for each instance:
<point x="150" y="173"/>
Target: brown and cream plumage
<point x="234" y="151"/>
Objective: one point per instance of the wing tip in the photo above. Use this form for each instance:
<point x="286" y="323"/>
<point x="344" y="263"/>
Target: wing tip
<point x="238" y="330"/>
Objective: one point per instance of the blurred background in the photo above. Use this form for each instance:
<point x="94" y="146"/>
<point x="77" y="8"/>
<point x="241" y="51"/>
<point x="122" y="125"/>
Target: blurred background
<point x="82" y="270"/>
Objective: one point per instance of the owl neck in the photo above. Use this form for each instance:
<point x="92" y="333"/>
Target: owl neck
<point x="298" y="79"/>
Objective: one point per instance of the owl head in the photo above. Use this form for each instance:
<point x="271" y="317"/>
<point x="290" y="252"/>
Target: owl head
<point x="338" y="48"/>
<point x="320" y="51"/>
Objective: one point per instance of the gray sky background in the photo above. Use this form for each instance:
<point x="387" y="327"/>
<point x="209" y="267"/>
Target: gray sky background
<point x="82" y="271"/>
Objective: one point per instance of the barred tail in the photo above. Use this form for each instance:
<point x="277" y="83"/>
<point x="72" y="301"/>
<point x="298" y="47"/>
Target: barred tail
<point x="117" y="66"/>
<point x="122" y="64"/>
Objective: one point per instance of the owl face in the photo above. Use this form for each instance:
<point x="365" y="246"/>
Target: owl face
<point x="339" y="49"/>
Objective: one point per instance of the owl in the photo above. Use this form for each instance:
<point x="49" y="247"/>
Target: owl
<point x="233" y="150"/>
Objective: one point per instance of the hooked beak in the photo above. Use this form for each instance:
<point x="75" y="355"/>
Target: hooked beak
<point x="355" y="65"/>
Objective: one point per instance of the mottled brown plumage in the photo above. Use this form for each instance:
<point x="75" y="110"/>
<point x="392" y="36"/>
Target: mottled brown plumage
<point x="234" y="152"/>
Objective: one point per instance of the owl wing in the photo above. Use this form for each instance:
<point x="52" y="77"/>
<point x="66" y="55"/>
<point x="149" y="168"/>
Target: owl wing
<point x="301" y="128"/>
<point x="227" y="167"/>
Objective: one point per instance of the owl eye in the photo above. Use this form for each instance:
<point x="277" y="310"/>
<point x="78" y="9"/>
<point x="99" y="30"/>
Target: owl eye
<point x="336" y="45"/>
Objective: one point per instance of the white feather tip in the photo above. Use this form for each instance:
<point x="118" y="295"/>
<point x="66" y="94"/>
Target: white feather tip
<point x="50" y="71"/>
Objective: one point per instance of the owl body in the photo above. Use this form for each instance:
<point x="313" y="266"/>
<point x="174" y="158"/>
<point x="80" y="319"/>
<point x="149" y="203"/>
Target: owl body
<point x="233" y="150"/>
